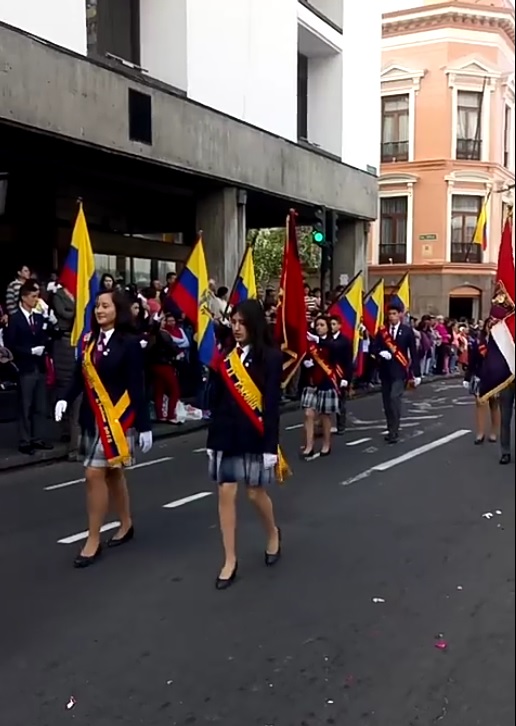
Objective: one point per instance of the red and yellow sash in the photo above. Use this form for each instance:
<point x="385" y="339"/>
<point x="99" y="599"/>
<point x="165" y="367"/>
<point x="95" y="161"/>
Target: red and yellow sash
<point x="324" y="366"/>
<point x="250" y="400"/>
<point x="113" y="420"/>
<point x="393" y="348"/>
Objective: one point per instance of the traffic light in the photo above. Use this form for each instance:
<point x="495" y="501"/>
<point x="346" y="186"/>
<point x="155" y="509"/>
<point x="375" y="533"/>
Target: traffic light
<point x="319" y="227"/>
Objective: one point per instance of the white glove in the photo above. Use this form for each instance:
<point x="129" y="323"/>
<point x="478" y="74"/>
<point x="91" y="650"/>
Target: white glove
<point x="270" y="461"/>
<point x="344" y="384"/>
<point x="60" y="410"/>
<point x="210" y="454"/>
<point x="145" y="441"/>
<point x="313" y="338"/>
<point x="308" y="363"/>
<point x="38" y="350"/>
<point x="144" y="344"/>
<point x="466" y="385"/>
<point x="417" y="382"/>
<point x="386" y="355"/>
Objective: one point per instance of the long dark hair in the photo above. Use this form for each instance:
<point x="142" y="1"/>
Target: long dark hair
<point x="258" y="329"/>
<point x="123" y="321"/>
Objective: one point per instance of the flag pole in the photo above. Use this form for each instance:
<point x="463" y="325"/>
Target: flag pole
<point x="344" y="292"/>
<point x="248" y="246"/>
<point x="484" y="206"/>
<point x="171" y="288"/>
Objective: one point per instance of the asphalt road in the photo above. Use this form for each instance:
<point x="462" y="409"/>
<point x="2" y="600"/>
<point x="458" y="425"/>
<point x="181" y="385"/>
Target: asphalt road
<point x="143" y="638"/>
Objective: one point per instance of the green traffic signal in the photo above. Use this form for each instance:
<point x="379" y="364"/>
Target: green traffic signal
<point x="318" y="237"/>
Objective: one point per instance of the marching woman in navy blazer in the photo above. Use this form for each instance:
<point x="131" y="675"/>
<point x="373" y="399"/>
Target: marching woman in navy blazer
<point x="110" y="375"/>
<point x="243" y="435"/>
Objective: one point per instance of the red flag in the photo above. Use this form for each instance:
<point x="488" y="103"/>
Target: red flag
<point x="505" y="280"/>
<point x="291" y="327"/>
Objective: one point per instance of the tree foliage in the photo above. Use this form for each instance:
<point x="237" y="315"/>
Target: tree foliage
<point x="268" y="245"/>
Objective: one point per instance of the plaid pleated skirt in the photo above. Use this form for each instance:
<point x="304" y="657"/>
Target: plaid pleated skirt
<point x="92" y="451"/>
<point x="245" y="469"/>
<point x="325" y="402"/>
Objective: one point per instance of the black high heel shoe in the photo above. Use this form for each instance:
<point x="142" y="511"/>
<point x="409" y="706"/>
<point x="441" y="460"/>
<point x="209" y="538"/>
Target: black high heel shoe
<point x="224" y="583"/>
<point x="479" y="440"/>
<point x="128" y="536"/>
<point x="81" y="561"/>
<point x="271" y="560"/>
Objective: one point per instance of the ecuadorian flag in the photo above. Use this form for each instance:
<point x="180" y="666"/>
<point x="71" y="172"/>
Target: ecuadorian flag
<point x="349" y="308"/>
<point x="480" y="233"/>
<point x="190" y="293"/>
<point x="402" y="295"/>
<point x="80" y="279"/>
<point x="245" y="283"/>
<point x="373" y="313"/>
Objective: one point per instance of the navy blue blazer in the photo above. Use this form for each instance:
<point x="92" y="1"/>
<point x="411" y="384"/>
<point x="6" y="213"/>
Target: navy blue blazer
<point x="230" y="430"/>
<point x="344" y="356"/>
<point x="20" y="339"/>
<point x="120" y="370"/>
<point x="392" y="370"/>
<point x="475" y="358"/>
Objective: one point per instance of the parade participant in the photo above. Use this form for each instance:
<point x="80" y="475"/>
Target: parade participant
<point x="110" y="374"/>
<point x="507" y="396"/>
<point x="395" y="349"/>
<point x="476" y="358"/>
<point x="344" y="360"/>
<point x="321" y="393"/>
<point x="243" y="434"/>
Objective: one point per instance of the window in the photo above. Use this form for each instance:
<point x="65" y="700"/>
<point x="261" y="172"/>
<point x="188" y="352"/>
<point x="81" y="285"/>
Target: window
<point x="507" y="137"/>
<point x="113" y="28"/>
<point x="395" y="128"/>
<point x="393" y="230"/>
<point x="302" y="96"/>
<point x="140" y="116"/>
<point x="469" y="125"/>
<point x="465" y="211"/>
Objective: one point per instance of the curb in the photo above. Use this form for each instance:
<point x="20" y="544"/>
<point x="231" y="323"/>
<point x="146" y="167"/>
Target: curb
<point x="59" y="453"/>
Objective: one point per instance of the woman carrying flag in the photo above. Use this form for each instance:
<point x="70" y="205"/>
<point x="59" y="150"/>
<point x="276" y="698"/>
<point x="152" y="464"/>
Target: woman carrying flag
<point x="110" y="375"/>
<point x="243" y="434"/>
<point x="321" y="393"/>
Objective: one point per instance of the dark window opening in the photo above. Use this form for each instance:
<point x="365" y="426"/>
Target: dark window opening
<point x="393" y="230"/>
<point x="302" y="96"/>
<point x="140" y="117"/>
<point x="113" y="28"/>
<point x="395" y="128"/>
<point x="469" y="125"/>
<point x="507" y="137"/>
<point x="465" y="211"/>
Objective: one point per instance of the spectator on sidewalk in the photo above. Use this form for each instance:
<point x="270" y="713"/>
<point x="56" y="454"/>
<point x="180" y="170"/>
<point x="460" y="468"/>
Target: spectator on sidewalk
<point x="12" y="295"/>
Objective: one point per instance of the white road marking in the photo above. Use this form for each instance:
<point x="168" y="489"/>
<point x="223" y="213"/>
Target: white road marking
<point x="83" y="535"/>
<point x="386" y="465"/>
<point x="186" y="500"/>
<point x="202" y="450"/>
<point x="360" y="422"/>
<point x="358" y="441"/>
<point x="295" y="426"/>
<point x="142" y="465"/>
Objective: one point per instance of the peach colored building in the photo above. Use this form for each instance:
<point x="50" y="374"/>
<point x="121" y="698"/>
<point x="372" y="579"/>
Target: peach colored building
<point x="448" y="114"/>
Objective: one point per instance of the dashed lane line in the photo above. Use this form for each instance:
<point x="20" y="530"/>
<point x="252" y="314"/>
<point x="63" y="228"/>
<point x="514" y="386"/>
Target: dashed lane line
<point x="142" y="465"/>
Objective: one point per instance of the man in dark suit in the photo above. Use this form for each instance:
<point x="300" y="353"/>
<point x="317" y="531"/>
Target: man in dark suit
<point x="398" y="361"/>
<point x="344" y="359"/>
<point x="27" y="338"/>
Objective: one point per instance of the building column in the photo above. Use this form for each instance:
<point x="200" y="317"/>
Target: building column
<point x="221" y="217"/>
<point x="350" y="253"/>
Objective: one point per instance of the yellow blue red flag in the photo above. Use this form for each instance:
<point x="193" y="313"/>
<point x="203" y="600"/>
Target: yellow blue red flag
<point x="402" y="295"/>
<point x="349" y="308"/>
<point x="80" y="278"/>
<point x="190" y="293"/>
<point x="480" y="233"/>
<point x="245" y="283"/>
<point x="374" y="303"/>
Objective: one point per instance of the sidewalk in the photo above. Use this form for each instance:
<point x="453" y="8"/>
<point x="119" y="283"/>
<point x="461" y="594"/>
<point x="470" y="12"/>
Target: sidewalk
<point x="10" y="457"/>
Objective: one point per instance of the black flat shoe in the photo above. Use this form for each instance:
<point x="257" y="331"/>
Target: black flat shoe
<point x="271" y="560"/>
<point x="224" y="583"/>
<point x="505" y="459"/>
<point x="81" y="561"/>
<point x="128" y="536"/>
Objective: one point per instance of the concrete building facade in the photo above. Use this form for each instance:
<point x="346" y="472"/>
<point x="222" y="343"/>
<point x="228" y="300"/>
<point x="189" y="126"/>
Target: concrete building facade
<point x="447" y="144"/>
<point x="167" y="117"/>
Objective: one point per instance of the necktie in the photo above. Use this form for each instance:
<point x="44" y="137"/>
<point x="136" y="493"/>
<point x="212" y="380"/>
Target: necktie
<point x="31" y="323"/>
<point x="240" y="351"/>
<point x="393" y="331"/>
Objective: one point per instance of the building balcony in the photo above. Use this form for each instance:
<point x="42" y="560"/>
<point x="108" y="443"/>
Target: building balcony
<point x="393" y="151"/>
<point x="469" y="149"/>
